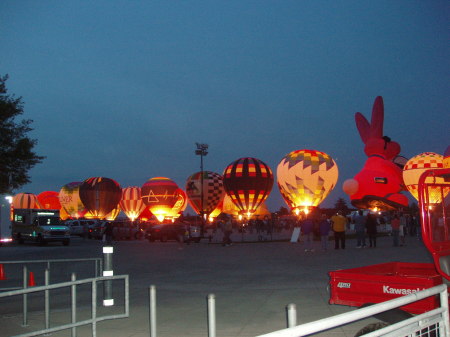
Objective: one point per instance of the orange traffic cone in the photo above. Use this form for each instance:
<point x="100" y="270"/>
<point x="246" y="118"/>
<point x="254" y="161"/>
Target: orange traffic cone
<point x="2" y="273"/>
<point x="31" y="282"/>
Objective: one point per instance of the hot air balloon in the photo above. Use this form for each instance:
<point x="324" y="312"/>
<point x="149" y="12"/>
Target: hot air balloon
<point x="100" y="196"/>
<point x="447" y="157"/>
<point x="69" y="197"/>
<point x="145" y="215"/>
<point x="160" y="194"/>
<point x="131" y="202"/>
<point x="180" y="204"/>
<point x="111" y="216"/>
<point x="25" y="200"/>
<point x="414" y="169"/>
<point x="306" y="177"/>
<point x="49" y="200"/>
<point x="248" y="182"/>
<point x="216" y="212"/>
<point x="228" y="206"/>
<point x="213" y="191"/>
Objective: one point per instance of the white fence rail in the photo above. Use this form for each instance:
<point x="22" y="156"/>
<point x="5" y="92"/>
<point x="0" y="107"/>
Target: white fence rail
<point x="95" y="318"/>
<point x="436" y="320"/>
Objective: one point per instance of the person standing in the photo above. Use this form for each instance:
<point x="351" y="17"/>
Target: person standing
<point x="395" y="224"/>
<point x="324" y="229"/>
<point x="371" y="226"/>
<point x="360" y="228"/>
<point x="108" y="233"/>
<point x="339" y="223"/>
<point x="227" y="231"/>
<point x="307" y="226"/>
<point x="403" y="229"/>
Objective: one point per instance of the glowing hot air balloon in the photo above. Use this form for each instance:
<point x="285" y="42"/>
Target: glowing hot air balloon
<point x="160" y="195"/>
<point x="180" y="205"/>
<point x="306" y="177"/>
<point x="418" y="165"/>
<point x="131" y="202"/>
<point x="100" y="196"/>
<point x="49" y="200"/>
<point x="248" y="182"/>
<point x="69" y="197"/>
<point x="111" y="216"/>
<point x="25" y="200"/>
<point x="213" y="191"/>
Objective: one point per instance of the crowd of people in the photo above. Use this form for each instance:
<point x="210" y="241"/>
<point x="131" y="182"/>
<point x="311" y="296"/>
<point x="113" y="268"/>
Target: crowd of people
<point x="364" y="224"/>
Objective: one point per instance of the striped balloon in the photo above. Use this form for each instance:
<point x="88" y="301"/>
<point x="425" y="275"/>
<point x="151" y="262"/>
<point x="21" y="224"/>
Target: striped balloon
<point x="25" y="200"/>
<point x="131" y="202"/>
<point x="100" y="195"/>
<point x="248" y="182"/>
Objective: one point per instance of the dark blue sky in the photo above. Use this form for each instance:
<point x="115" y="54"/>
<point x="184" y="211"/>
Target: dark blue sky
<point x="124" y="89"/>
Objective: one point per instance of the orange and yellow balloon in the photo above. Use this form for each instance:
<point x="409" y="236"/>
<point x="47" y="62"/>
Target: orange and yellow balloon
<point x="306" y="177"/>
<point x="418" y="165"/>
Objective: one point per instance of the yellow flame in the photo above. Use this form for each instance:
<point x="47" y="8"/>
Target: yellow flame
<point x="160" y="217"/>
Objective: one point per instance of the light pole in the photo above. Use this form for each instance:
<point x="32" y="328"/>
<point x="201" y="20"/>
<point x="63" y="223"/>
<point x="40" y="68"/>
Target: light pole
<point x="202" y="150"/>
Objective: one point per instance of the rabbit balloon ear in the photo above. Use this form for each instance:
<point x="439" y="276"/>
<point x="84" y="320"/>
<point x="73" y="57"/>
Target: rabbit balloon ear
<point x="376" y="124"/>
<point x="363" y="127"/>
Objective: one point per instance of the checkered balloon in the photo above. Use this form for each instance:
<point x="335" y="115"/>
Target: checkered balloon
<point x="416" y="166"/>
<point x="213" y="191"/>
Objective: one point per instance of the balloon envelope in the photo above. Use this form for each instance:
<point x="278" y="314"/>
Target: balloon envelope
<point x="418" y="165"/>
<point x="306" y="177"/>
<point x="248" y="182"/>
<point x="213" y="191"/>
<point x="100" y="196"/>
<point x="131" y="202"/>
<point x="180" y="204"/>
<point x="69" y="197"/>
<point x="25" y="200"/>
<point x="49" y="200"/>
<point x="160" y="194"/>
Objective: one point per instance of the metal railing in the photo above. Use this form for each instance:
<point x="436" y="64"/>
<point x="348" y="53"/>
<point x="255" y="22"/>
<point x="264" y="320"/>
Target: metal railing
<point x="420" y="325"/>
<point x="73" y="285"/>
<point x="97" y="262"/>
<point x="432" y="323"/>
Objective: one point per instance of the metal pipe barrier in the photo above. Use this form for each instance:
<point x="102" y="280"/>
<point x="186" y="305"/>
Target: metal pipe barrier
<point x="408" y="327"/>
<point x="72" y="284"/>
<point x="211" y="315"/>
<point x="152" y="306"/>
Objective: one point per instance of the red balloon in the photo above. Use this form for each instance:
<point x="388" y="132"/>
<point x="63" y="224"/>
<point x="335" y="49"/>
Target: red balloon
<point x="248" y="182"/>
<point x="160" y="195"/>
<point x="100" y="196"/>
<point x="49" y="200"/>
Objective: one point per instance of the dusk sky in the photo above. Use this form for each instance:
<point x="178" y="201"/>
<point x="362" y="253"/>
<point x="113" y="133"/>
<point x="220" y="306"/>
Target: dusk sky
<point x="124" y="89"/>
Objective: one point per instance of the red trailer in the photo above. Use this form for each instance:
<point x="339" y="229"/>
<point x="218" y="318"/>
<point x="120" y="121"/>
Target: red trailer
<point x="378" y="283"/>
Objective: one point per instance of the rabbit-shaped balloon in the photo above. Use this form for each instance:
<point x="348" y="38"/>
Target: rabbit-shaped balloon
<point x="379" y="183"/>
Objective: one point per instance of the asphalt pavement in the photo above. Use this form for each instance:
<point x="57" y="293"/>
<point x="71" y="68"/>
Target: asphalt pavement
<point x="253" y="281"/>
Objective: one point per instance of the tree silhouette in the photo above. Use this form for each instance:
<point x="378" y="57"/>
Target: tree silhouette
<point x="341" y="205"/>
<point x="16" y="148"/>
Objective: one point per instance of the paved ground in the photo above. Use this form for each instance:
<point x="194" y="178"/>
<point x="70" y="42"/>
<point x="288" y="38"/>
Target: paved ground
<point x="252" y="281"/>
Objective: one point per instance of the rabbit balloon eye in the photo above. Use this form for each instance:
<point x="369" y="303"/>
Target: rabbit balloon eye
<point x="381" y="180"/>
